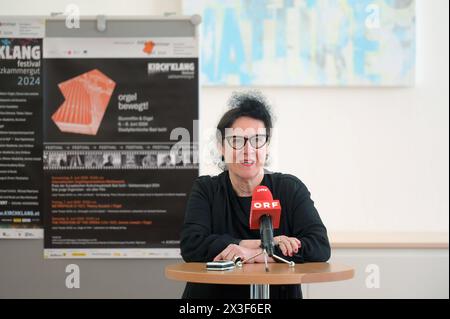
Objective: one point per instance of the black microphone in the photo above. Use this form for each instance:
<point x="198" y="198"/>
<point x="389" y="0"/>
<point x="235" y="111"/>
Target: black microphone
<point x="266" y="234"/>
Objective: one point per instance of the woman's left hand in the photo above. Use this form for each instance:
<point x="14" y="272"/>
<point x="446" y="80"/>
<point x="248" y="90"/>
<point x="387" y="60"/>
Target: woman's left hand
<point x="289" y="245"/>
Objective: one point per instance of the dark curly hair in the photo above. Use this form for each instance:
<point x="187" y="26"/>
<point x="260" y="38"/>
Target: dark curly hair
<point x="250" y="103"/>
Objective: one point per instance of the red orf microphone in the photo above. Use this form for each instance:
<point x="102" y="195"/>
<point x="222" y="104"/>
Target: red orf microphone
<point x="265" y="215"/>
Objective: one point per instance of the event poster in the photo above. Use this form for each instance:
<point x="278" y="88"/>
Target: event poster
<point x="21" y="128"/>
<point x="120" y="145"/>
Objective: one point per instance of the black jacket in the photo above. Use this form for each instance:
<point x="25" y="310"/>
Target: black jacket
<point x="216" y="217"/>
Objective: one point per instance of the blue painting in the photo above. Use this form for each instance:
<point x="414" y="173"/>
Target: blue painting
<point x="306" y="42"/>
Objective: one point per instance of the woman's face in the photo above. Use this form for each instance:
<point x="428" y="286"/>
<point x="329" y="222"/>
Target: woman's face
<point x="246" y="162"/>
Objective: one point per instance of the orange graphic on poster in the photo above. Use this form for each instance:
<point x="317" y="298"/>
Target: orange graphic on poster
<point x="86" y="99"/>
<point x="148" y="47"/>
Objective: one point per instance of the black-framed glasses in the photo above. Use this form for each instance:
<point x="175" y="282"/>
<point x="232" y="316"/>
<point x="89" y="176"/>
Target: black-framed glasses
<point x="238" y="142"/>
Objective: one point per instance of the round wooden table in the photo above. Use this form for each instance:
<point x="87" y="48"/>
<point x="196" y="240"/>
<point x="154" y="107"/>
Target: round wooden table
<point x="256" y="276"/>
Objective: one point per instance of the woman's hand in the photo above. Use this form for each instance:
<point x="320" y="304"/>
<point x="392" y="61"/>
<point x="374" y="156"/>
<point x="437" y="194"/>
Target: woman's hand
<point x="250" y="243"/>
<point x="234" y="250"/>
<point x="288" y="245"/>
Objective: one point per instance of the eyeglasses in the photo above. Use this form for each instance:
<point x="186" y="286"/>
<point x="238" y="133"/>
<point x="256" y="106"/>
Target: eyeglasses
<point x="238" y="142"/>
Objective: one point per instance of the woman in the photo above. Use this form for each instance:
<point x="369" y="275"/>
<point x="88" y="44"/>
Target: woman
<point x="216" y="225"/>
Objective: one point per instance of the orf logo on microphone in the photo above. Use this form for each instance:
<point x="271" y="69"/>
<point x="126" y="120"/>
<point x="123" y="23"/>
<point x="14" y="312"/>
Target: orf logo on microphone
<point x="264" y="204"/>
<point x="269" y="205"/>
<point x="265" y="207"/>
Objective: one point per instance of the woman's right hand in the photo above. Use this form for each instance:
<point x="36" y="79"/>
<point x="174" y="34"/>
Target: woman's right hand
<point x="232" y="251"/>
<point x="250" y="243"/>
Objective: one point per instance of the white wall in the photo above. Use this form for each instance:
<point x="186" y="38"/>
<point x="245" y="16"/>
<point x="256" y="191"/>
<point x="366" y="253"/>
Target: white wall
<point x="90" y="7"/>
<point x="387" y="274"/>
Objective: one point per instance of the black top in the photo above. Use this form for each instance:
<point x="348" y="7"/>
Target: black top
<point x="216" y="217"/>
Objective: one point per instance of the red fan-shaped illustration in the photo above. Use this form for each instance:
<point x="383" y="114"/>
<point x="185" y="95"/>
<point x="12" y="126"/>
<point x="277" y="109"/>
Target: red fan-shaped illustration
<point x="86" y="99"/>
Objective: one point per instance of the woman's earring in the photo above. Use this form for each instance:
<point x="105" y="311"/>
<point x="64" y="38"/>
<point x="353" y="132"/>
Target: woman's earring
<point x="267" y="162"/>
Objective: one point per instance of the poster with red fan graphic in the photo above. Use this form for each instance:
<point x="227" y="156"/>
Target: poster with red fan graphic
<point x="86" y="98"/>
<point x="116" y="172"/>
<point x="21" y="128"/>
